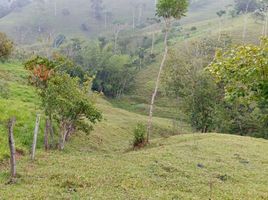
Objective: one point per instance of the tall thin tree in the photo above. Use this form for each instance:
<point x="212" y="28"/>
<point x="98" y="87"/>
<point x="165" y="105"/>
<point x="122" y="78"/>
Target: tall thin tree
<point x="168" y="10"/>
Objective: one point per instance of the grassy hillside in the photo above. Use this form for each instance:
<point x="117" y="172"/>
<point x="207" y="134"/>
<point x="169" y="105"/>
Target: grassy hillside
<point x="18" y="99"/>
<point x="139" y="98"/>
<point x="21" y="101"/>
<point x="180" y="167"/>
<point x="23" y="25"/>
<point x="101" y="165"/>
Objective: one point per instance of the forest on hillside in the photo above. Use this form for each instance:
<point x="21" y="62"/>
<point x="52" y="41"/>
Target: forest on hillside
<point x="121" y="76"/>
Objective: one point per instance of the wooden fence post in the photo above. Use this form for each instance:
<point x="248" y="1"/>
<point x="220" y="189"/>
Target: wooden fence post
<point x="47" y="129"/>
<point x="35" y="135"/>
<point x="11" y="124"/>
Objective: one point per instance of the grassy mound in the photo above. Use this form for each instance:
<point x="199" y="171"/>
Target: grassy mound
<point x="180" y="167"/>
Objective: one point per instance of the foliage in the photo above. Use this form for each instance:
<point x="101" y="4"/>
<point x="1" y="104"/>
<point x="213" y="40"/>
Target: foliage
<point x="116" y="77"/>
<point x="202" y="103"/>
<point x="41" y="69"/>
<point x="202" y="99"/>
<point x="6" y="46"/>
<point x="61" y="94"/>
<point x="243" y="71"/>
<point x="67" y="102"/>
<point x="139" y="135"/>
<point x="171" y="8"/>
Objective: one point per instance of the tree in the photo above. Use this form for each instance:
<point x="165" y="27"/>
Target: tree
<point x="116" y="77"/>
<point x="64" y="95"/>
<point x="97" y="8"/>
<point x="244" y="73"/>
<point x="184" y="79"/>
<point x="220" y="14"/>
<point x="6" y="46"/>
<point x="70" y="106"/>
<point x="167" y="9"/>
<point x="141" y="54"/>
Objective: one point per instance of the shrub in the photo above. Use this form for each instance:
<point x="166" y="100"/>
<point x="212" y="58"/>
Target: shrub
<point x="6" y="46"/>
<point x="139" y="135"/>
<point x="4" y="90"/>
<point x="193" y="28"/>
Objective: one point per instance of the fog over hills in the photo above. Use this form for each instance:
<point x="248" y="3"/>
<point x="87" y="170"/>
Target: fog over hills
<point x="76" y="18"/>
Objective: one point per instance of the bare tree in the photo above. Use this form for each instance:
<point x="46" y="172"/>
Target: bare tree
<point x="174" y="10"/>
<point x="245" y="21"/>
<point x="167" y="28"/>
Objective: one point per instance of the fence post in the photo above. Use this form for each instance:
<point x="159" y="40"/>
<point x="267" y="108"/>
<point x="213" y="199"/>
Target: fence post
<point x="37" y="122"/>
<point x="11" y="124"/>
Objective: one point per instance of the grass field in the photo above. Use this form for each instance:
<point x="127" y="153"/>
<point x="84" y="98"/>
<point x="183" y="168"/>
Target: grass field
<point x="102" y="164"/>
<point x="22" y="102"/>
<point x="180" y="167"/>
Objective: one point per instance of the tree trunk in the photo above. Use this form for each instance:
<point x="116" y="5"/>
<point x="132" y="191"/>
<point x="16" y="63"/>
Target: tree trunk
<point x="12" y="148"/>
<point x="37" y="122"/>
<point x="150" y="121"/>
<point x="153" y="40"/>
<point x="105" y="20"/>
<point x="266" y="23"/>
<point x="245" y="22"/>
<point x="65" y="130"/>
<point x="55" y="8"/>
<point x="51" y="131"/>
<point x="133" y="19"/>
<point x="219" y="38"/>
<point x="47" y="129"/>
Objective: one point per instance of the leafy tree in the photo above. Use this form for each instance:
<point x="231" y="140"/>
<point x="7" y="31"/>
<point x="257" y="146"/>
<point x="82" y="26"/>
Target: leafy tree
<point x="64" y="96"/>
<point x="115" y="77"/>
<point x="69" y="105"/>
<point x="184" y="77"/>
<point x="6" y="46"/>
<point x="244" y="73"/>
<point x="168" y="10"/>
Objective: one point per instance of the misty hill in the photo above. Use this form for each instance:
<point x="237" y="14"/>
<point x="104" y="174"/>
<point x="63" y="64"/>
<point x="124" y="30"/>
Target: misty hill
<point x="50" y="18"/>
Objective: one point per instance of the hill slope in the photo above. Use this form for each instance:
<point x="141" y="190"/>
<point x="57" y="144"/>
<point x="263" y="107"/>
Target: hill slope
<point x="20" y="100"/>
<point x="181" y="167"/>
<point x="101" y="165"/>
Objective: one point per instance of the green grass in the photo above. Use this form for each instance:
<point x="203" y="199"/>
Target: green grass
<point x="102" y="164"/>
<point x="21" y="102"/>
<point x="180" y="167"/>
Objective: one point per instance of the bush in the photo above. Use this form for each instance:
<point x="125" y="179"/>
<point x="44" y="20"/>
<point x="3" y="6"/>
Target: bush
<point x="193" y="28"/>
<point x="4" y="90"/>
<point x="6" y="46"/>
<point x="139" y="135"/>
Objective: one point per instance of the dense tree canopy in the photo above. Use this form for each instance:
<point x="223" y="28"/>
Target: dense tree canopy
<point x="172" y="8"/>
<point x="244" y="72"/>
